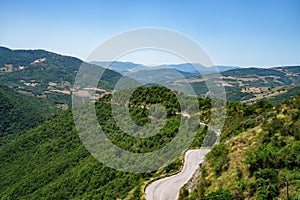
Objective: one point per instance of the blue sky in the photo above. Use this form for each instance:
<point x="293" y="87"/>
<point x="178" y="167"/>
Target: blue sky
<point x="233" y="32"/>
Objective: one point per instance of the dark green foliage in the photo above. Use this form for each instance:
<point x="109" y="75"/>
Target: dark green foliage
<point x="200" y="135"/>
<point x="262" y="157"/>
<point x="293" y="91"/>
<point x="131" y="143"/>
<point x="241" y="117"/>
<point x="218" y="158"/>
<point x="141" y="99"/>
<point x="21" y="112"/>
<point x="252" y="72"/>
<point x="220" y="194"/>
<point x="59" y="98"/>
<point x="279" y="150"/>
<point x="267" y="183"/>
<point x="210" y="139"/>
<point x="54" y="68"/>
<point x="156" y="95"/>
<point x="183" y="193"/>
<point x="199" y="87"/>
<point x="233" y="94"/>
<point x="174" y="166"/>
<point x="269" y="161"/>
<point x="50" y="162"/>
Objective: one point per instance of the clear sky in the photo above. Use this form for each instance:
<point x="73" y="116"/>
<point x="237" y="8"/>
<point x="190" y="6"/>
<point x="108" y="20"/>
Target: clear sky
<point x="233" y="32"/>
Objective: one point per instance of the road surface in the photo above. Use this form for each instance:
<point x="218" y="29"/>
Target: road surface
<point x="168" y="188"/>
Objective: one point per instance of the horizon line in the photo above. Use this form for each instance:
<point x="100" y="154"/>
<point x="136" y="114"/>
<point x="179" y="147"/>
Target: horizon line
<point x="155" y="64"/>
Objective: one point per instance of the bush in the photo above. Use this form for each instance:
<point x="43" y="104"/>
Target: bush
<point x="218" y="158"/>
<point x="220" y="194"/>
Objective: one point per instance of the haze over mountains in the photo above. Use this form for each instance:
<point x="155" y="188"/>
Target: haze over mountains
<point x="187" y="69"/>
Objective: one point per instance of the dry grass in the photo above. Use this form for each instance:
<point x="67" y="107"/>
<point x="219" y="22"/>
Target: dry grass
<point x="237" y="147"/>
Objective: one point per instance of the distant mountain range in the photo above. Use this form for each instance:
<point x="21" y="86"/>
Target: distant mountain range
<point x="51" y="76"/>
<point x="186" y="69"/>
<point x="241" y="84"/>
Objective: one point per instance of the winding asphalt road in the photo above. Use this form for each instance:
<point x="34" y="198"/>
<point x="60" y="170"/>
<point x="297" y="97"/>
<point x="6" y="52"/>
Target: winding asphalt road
<point x="168" y="188"/>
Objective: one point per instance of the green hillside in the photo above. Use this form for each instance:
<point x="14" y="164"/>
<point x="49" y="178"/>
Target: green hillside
<point x="50" y="162"/>
<point x="50" y="75"/>
<point x="42" y="157"/>
<point x="251" y="72"/>
<point x="45" y="74"/>
<point x="19" y="112"/>
<point x="260" y="149"/>
<point x="251" y="84"/>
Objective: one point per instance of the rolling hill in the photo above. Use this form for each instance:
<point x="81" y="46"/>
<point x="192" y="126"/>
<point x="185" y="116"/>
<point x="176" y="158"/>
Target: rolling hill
<point x="249" y="85"/>
<point x="50" y="161"/>
<point x="45" y="74"/>
<point x="21" y="112"/>
<point x="49" y="75"/>
<point x="259" y="145"/>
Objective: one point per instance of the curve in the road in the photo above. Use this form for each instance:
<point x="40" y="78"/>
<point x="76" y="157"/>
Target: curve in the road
<point x="168" y="188"/>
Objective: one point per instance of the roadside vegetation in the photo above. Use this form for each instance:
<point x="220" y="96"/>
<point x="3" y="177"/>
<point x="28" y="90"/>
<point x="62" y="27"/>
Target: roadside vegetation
<point x="257" y="155"/>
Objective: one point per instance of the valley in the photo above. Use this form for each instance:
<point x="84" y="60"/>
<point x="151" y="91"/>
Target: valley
<point x="42" y="156"/>
<point x="150" y="100"/>
<point x="48" y="75"/>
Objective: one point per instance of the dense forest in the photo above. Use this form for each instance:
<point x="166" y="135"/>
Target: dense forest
<point x="50" y="162"/>
<point x="259" y="150"/>
<point x="20" y="112"/>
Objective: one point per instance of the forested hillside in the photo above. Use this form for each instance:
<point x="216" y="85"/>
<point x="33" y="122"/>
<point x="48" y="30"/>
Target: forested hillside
<point x="45" y="74"/>
<point x="19" y="112"/>
<point x="249" y="85"/>
<point x="50" y="75"/>
<point x="260" y="150"/>
<point x="50" y="162"/>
